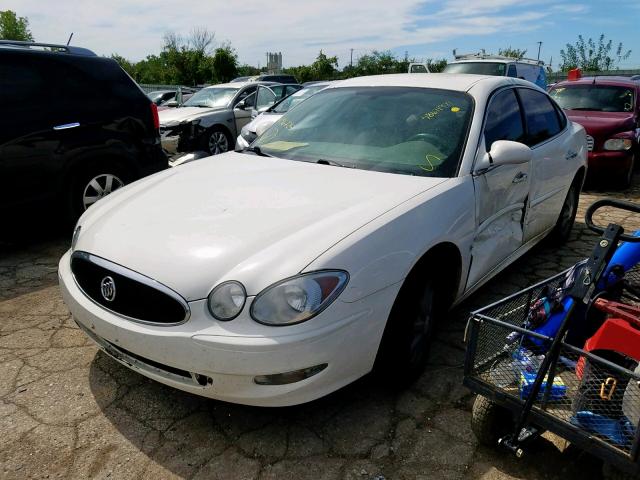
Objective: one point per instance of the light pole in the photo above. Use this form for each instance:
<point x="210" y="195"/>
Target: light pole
<point x="539" y="47"/>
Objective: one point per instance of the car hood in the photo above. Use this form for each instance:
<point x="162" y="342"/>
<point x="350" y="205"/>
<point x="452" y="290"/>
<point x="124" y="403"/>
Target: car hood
<point x="238" y="217"/>
<point x="602" y="124"/>
<point x="262" y="122"/>
<point x="181" y="114"/>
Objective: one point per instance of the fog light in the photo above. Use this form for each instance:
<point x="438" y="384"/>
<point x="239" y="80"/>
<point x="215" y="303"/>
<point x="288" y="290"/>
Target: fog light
<point x="289" y="377"/>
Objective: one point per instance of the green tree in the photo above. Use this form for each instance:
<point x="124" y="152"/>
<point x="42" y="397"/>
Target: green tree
<point x="436" y="65"/>
<point x="512" y="52"/>
<point x="591" y="56"/>
<point x="13" y="27"/>
<point x="126" y="65"/>
<point x="224" y="64"/>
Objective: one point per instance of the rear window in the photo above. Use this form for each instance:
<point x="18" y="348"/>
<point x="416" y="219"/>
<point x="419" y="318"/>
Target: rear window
<point x="540" y="114"/>
<point x="478" y="68"/>
<point x="597" y="98"/>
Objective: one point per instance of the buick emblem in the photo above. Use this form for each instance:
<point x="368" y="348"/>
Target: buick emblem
<point x="108" y="289"/>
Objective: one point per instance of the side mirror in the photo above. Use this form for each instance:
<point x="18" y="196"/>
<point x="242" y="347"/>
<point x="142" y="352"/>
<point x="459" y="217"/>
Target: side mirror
<point x="504" y="152"/>
<point x="241" y="105"/>
<point x="171" y="103"/>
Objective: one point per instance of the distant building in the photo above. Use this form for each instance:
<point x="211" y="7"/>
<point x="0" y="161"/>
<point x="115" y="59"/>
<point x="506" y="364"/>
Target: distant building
<point x="274" y="62"/>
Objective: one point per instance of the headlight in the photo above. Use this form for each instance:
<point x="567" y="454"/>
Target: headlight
<point x="74" y="238"/>
<point x="618" y="144"/>
<point x="248" y="135"/>
<point x="299" y="298"/>
<point x="227" y="300"/>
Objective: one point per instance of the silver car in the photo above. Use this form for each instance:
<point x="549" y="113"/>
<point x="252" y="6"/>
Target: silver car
<point x="211" y="119"/>
<point x="269" y="116"/>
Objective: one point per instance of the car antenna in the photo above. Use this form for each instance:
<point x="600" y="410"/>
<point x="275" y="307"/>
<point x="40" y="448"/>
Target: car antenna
<point x="70" y="37"/>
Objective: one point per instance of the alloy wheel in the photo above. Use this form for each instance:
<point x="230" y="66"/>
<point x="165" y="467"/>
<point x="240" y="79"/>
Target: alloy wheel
<point x="99" y="187"/>
<point x="218" y="143"/>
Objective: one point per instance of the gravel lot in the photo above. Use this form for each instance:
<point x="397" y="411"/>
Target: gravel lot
<point x="68" y="411"/>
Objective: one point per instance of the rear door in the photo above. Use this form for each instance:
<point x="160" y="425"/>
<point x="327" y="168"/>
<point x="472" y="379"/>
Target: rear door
<point x="501" y="192"/>
<point x="553" y="160"/>
<point x="27" y="138"/>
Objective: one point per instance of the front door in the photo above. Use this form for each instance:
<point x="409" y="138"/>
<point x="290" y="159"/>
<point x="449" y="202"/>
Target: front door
<point x="501" y="192"/>
<point x="243" y="116"/>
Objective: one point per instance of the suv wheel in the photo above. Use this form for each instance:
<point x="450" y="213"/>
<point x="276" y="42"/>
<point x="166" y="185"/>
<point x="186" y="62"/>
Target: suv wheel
<point x="99" y="187"/>
<point x="91" y="185"/>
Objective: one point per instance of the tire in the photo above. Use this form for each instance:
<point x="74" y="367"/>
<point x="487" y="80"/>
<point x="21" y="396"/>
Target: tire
<point x="217" y="141"/>
<point x="562" y="229"/>
<point x="626" y="179"/>
<point x="490" y="422"/>
<point x="93" y="184"/>
<point x="404" y="349"/>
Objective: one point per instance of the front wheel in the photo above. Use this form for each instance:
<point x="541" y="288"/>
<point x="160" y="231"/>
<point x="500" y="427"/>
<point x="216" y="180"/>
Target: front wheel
<point x="404" y="348"/>
<point x="217" y="141"/>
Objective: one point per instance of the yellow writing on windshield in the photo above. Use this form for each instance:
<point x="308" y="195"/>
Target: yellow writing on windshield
<point x="431" y="162"/>
<point x="436" y="110"/>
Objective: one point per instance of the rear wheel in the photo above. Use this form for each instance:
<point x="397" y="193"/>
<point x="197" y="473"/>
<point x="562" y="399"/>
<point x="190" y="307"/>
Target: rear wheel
<point x="93" y="184"/>
<point x="490" y="422"/>
<point x="560" y="233"/>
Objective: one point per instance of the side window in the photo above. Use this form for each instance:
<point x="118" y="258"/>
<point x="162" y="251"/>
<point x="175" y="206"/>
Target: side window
<point x="511" y="71"/>
<point x="248" y="95"/>
<point x="267" y="96"/>
<point x="540" y="116"/>
<point x="504" y="121"/>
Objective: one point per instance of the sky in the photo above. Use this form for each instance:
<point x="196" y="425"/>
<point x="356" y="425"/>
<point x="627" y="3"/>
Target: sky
<point x="300" y="29"/>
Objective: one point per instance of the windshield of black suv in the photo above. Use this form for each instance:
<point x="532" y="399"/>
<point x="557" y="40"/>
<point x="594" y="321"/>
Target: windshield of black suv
<point x="599" y="98"/>
<point x="296" y="97"/>
<point x="405" y="130"/>
<point x="211" y="97"/>
<point x="478" y="68"/>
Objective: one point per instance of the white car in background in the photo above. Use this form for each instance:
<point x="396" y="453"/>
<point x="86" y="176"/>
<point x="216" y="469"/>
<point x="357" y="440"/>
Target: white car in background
<point x="332" y="245"/>
<point x="262" y="121"/>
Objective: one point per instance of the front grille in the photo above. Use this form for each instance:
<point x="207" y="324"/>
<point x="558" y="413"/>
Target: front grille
<point x="589" y="143"/>
<point x="126" y="292"/>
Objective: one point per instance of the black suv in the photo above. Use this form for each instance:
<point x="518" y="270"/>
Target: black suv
<point x="74" y="127"/>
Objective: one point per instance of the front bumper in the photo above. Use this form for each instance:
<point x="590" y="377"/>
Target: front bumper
<point x="610" y="162"/>
<point x="196" y="358"/>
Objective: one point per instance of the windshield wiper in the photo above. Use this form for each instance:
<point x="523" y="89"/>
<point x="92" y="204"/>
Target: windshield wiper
<point x="257" y="151"/>
<point x="587" y="109"/>
<point x="323" y="161"/>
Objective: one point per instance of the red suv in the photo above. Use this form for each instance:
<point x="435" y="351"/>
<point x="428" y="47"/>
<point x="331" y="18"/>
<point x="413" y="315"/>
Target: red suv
<point x="609" y="110"/>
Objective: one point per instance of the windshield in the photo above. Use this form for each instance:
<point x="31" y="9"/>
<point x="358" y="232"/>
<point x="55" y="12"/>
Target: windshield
<point x="295" y="98"/>
<point x="211" y="97"/>
<point x="405" y="130"/>
<point x="599" y="98"/>
<point x="478" y="68"/>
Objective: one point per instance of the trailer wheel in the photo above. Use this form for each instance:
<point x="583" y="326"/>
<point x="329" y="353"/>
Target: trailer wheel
<point x="490" y="422"/>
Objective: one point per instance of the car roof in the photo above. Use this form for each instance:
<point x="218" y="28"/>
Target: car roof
<point x="604" y="80"/>
<point x="239" y="85"/>
<point x="446" y="81"/>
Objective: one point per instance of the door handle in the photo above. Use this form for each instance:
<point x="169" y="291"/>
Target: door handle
<point x="520" y="177"/>
<point x="66" y="126"/>
<point x="570" y="155"/>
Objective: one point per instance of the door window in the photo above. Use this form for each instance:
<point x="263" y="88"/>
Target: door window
<point x="511" y="71"/>
<point x="541" y="117"/>
<point x="267" y="96"/>
<point x="504" y="120"/>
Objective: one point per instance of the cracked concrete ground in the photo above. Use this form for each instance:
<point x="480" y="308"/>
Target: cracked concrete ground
<point x="68" y="411"/>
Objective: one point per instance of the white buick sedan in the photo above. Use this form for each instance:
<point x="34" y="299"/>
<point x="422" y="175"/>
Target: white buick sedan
<point x="332" y="244"/>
